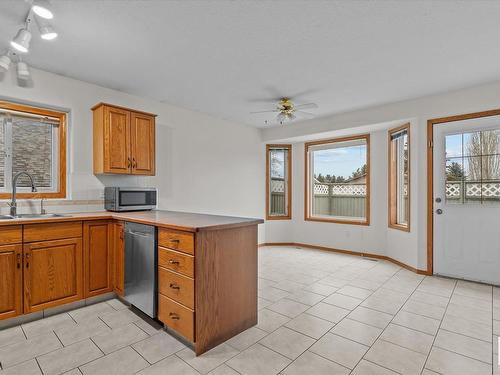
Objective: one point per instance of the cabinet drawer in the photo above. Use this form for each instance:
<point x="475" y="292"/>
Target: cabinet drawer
<point x="176" y="240"/>
<point x="52" y="231"/>
<point x="176" y="316"/>
<point x="175" y="261"/>
<point x="11" y="234"/>
<point x="177" y="287"/>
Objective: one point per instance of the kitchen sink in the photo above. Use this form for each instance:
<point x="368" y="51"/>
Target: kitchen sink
<point x="30" y="216"/>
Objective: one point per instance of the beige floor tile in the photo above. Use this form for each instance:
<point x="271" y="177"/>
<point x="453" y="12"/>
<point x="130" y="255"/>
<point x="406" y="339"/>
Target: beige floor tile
<point x="341" y="300"/>
<point x="430" y="299"/>
<point x="262" y="303"/>
<point x="334" y="281"/>
<point x="320" y="288"/>
<point x="158" y="347"/>
<point x="417" y="322"/>
<point x="258" y="360"/>
<point x="408" y="338"/>
<point x="385" y="305"/>
<point x="209" y="360"/>
<point x="91" y="312"/>
<point x="149" y="326"/>
<point x="119" y="338"/>
<point x="25" y="368"/>
<point x="47" y="325"/>
<point x="264" y="283"/>
<point x="125" y="361"/>
<point x="421" y="308"/>
<point x="496" y="327"/>
<point x="270" y="320"/>
<point x="13" y="354"/>
<point x="171" y="365"/>
<point x="448" y="363"/>
<point x="310" y="325"/>
<point x="476" y="303"/>
<point x="429" y="372"/>
<point x="369" y="368"/>
<point x="273" y="294"/>
<point x="469" y="313"/>
<point x="223" y="370"/>
<point x="339" y="349"/>
<point x="356" y="292"/>
<point x="11" y="336"/>
<point x="467" y="328"/>
<point x="365" y="284"/>
<point x="305" y="297"/>
<point x="289" y="286"/>
<point x="328" y="312"/>
<point x="397" y="358"/>
<point x="310" y="363"/>
<point x="69" y="357"/>
<point x="288" y="307"/>
<point x="120" y="318"/>
<point x="464" y="345"/>
<point x="73" y="372"/>
<point x="357" y="331"/>
<point x="475" y="290"/>
<point x="370" y="317"/>
<point x="289" y="343"/>
<point x="246" y="338"/>
<point x="88" y="328"/>
<point x="116" y="304"/>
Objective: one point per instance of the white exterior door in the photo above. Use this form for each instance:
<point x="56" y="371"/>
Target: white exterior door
<point x="467" y="199"/>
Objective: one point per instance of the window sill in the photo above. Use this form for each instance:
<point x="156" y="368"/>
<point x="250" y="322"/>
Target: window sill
<point x="403" y="228"/>
<point x="339" y="221"/>
<point x="278" y="218"/>
<point x="44" y="195"/>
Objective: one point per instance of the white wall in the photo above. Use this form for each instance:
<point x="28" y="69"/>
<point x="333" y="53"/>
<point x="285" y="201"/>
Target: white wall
<point x="204" y="164"/>
<point x="410" y="248"/>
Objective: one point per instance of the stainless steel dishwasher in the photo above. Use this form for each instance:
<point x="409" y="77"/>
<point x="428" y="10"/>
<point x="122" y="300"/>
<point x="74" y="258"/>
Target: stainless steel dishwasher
<point x="140" y="267"/>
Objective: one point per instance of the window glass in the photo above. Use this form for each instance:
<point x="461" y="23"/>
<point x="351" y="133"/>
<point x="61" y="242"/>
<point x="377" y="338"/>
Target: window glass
<point x="399" y="178"/>
<point x="278" y="159"/>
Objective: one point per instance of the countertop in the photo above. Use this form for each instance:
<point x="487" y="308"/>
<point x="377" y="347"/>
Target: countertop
<point x="169" y="219"/>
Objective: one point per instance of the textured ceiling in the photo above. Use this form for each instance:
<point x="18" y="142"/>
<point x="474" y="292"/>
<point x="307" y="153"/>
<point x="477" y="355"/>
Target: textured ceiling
<point x="228" y="57"/>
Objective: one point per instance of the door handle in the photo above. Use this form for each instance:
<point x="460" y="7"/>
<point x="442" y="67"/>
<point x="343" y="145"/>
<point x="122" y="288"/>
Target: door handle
<point x="174" y="316"/>
<point x="129" y="162"/>
<point x="439" y="211"/>
<point x="18" y="260"/>
<point x="28" y="260"/>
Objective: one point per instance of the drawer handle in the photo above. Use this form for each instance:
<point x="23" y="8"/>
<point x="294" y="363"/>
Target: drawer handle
<point x="174" y="316"/>
<point x="173" y="261"/>
<point x="174" y="286"/>
<point x="175" y="240"/>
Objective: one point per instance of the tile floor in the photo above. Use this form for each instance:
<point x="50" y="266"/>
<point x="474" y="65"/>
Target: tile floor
<point x="319" y="313"/>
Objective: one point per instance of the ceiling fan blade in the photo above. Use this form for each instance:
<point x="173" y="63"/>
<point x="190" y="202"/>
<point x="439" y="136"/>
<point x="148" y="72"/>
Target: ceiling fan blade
<point x="305" y="114"/>
<point x="268" y="111"/>
<point x="306" y="106"/>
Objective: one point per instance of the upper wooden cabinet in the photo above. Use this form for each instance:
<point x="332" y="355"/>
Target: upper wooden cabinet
<point x="124" y="141"/>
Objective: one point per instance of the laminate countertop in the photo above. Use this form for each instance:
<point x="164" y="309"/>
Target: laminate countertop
<point x="186" y="221"/>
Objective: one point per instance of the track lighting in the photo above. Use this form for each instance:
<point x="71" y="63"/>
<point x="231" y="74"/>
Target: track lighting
<point x="21" y="41"/>
<point x="4" y="62"/>
<point x="23" y="71"/>
<point x="42" y="9"/>
<point x="46" y="30"/>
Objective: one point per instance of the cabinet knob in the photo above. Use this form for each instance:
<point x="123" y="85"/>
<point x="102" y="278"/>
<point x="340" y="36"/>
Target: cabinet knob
<point x="174" y="316"/>
<point x="129" y="162"/>
<point x="174" y="286"/>
<point x="18" y="260"/>
<point x="27" y="260"/>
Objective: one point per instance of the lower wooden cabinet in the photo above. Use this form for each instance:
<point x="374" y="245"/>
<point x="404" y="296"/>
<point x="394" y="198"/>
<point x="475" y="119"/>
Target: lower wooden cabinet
<point x="97" y="255"/>
<point x="52" y="273"/>
<point x="11" y="281"/>
<point x="118" y="258"/>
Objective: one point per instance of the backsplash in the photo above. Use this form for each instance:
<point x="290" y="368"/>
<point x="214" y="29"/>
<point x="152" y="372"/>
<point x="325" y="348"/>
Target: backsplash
<point x="31" y="206"/>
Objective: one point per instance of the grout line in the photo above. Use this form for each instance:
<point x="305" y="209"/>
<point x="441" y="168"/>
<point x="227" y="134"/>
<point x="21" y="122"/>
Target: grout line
<point x="98" y="347"/>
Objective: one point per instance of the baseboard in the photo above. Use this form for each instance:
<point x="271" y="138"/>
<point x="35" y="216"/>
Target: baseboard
<point x="349" y="252"/>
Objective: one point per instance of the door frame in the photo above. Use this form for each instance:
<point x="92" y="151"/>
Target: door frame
<point x="430" y="174"/>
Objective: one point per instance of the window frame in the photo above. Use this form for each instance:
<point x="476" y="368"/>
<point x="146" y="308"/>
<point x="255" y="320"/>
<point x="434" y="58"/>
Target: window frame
<point x="61" y="137"/>
<point x="288" y="147"/>
<point x="392" y="184"/>
<point x="307" y="179"/>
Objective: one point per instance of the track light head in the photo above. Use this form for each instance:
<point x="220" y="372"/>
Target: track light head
<point x="46" y="30"/>
<point x="21" y="41"/>
<point x="4" y="63"/>
<point x="23" y="71"/>
<point x="42" y="8"/>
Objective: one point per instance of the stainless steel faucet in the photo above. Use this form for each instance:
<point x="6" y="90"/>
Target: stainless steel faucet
<point x="13" y="203"/>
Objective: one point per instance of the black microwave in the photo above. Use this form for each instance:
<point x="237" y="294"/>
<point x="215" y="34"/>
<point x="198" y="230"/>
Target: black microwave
<point x="129" y="198"/>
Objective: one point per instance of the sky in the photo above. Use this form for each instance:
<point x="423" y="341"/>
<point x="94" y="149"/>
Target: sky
<point x="339" y="161"/>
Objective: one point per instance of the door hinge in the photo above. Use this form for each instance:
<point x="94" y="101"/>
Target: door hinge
<point x="430" y="144"/>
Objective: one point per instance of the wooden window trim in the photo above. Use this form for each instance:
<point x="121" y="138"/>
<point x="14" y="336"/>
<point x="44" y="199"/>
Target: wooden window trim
<point x="392" y="181"/>
<point x="61" y="192"/>
<point x="288" y="183"/>
<point x="307" y="216"/>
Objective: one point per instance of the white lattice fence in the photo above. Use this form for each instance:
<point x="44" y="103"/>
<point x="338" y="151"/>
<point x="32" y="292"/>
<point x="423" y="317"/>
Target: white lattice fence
<point x="473" y="189"/>
<point x="277" y="186"/>
<point x="357" y="190"/>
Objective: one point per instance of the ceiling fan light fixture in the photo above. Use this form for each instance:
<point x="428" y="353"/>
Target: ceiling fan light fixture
<point x="23" y="71"/>
<point x="4" y="63"/>
<point x="21" y="41"/>
<point x="42" y="8"/>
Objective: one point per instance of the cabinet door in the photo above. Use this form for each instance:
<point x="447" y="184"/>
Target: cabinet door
<point x="97" y="255"/>
<point x="53" y="273"/>
<point x="142" y="134"/>
<point x="11" y="279"/>
<point x="119" y="259"/>
<point x="117" y="157"/>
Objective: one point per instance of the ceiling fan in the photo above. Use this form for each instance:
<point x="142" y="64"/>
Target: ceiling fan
<point x="287" y="111"/>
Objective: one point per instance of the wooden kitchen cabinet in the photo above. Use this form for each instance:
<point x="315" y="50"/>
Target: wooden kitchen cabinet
<point x="97" y="255"/>
<point x="124" y="141"/>
<point x="11" y="281"/>
<point x="118" y="258"/>
<point x="52" y="273"/>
